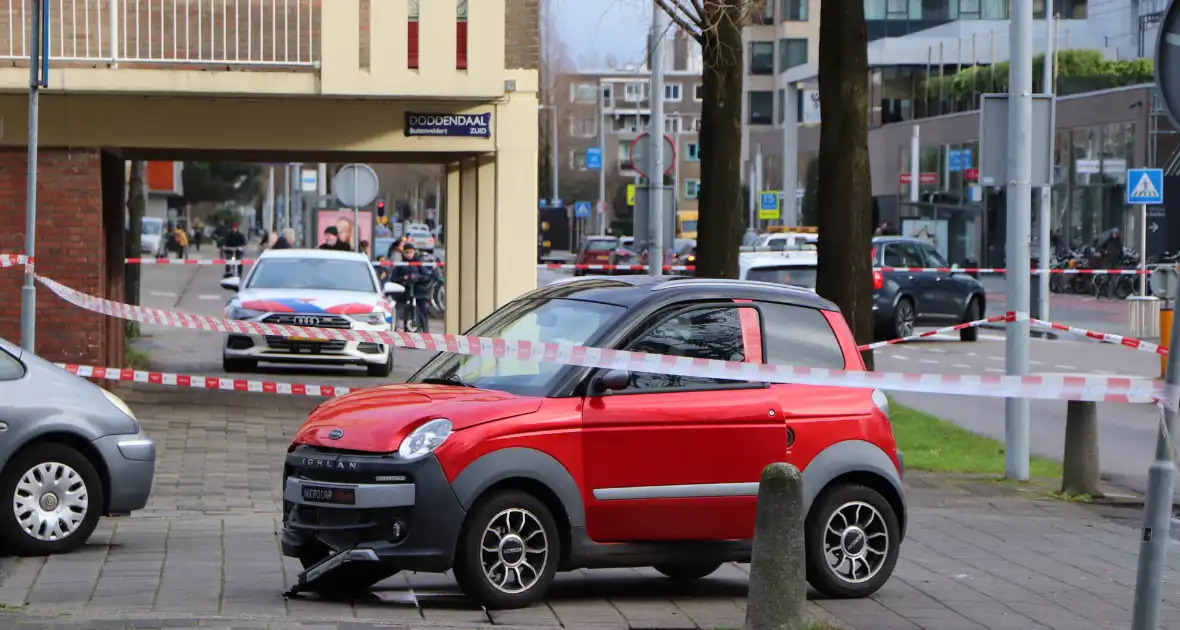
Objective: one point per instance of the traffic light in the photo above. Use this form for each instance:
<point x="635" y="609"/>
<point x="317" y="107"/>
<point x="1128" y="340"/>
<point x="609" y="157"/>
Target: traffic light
<point x="381" y="208"/>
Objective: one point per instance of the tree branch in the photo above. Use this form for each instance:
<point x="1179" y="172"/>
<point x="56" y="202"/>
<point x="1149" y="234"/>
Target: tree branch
<point x="685" y="18"/>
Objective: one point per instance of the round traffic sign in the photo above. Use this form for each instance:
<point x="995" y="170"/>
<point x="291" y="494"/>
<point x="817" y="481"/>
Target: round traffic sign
<point x="355" y="185"/>
<point x="1167" y="61"/>
<point x="641" y="154"/>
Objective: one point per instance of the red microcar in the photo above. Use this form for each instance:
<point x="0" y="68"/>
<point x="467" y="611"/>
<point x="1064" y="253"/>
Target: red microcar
<point x="507" y="471"/>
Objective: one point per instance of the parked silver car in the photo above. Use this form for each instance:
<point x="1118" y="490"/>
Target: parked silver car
<point x="70" y="452"/>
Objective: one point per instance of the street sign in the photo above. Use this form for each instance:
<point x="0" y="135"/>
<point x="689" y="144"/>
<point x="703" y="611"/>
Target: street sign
<point x="641" y="154"/>
<point x="631" y="195"/>
<point x="958" y="160"/>
<point x="993" y="139"/>
<point x="1145" y="185"/>
<point x="923" y="178"/>
<point x="601" y="206"/>
<point x="309" y="180"/>
<point x="768" y="206"/>
<point x="594" y="158"/>
<point x="581" y="209"/>
<point x="971" y="174"/>
<point x="355" y="185"/>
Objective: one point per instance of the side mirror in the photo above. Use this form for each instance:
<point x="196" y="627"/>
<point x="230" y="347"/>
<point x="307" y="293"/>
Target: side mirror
<point x="232" y="283"/>
<point x="393" y="288"/>
<point x="612" y="381"/>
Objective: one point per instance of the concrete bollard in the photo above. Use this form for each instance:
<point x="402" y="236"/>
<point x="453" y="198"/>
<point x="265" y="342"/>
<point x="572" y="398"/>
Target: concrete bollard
<point x="778" y="574"/>
<point x="1080" y="474"/>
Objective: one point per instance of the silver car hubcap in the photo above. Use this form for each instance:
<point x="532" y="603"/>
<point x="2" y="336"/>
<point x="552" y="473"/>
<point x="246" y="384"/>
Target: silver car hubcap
<point x="50" y="501"/>
<point x="514" y="550"/>
<point x="856" y="542"/>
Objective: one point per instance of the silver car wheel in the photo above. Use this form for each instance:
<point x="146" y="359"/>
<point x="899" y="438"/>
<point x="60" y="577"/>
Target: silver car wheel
<point x="856" y="542"/>
<point x="514" y="550"/>
<point x="50" y="502"/>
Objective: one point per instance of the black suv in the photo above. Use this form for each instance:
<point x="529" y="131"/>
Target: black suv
<point x="903" y="300"/>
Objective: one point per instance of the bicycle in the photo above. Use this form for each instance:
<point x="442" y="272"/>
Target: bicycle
<point x="408" y="317"/>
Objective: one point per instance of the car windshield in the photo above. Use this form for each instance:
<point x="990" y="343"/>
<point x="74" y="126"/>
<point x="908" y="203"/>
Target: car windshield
<point x="420" y="234"/>
<point x="793" y="275"/>
<point x="152" y="228"/>
<point x="562" y="321"/>
<point x="312" y="273"/>
<point x="600" y="246"/>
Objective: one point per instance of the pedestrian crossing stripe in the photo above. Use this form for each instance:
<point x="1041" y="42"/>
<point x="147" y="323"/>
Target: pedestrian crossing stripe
<point x="1145" y="188"/>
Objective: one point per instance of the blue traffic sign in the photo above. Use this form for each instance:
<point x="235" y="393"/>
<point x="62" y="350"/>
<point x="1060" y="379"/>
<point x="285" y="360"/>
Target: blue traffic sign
<point x="958" y="160"/>
<point x="768" y="200"/>
<point x="594" y="158"/>
<point x="550" y="203"/>
<point x="1145" y="185"/>
<point x="581" y="209"/>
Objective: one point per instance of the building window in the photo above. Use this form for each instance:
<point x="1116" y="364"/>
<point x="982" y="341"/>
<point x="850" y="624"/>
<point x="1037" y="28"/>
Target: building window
<point x="607" y="97"/>
<point x="762" y="58"/>
<point x="582" y="93"/>
<point x="624" y="156"/>
<point x="578" y="160"/>
<point x="692" y="188"/>
<point x="782" y="105"/>
<point x="794" y="10"/>
<point x="761" y="108"/>
<point x="583" y="128"/>
<point x="791" y="52"/>
<point x="672" y="125"/>
<point x="672" y="92"/>
<point x="698" y="92"/>
<point x="633" y="92"/>
<point x="694" y="124"/>
<point x="694" y="152"/>
<point x="460" y="34"/>
<point x="763" y="14"/>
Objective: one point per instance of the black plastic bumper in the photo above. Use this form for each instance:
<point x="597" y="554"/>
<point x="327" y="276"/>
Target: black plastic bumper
<point x="419" y="532"/>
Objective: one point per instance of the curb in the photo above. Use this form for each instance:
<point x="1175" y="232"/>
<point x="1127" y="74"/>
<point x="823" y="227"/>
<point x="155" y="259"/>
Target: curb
<point x="1036" y="334"/>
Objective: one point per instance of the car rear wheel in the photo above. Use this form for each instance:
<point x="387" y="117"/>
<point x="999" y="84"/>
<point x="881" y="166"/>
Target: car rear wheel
<point x="56" y="498"/>
<point x="384" y="369"/>
<point x="238" y="365"/>
<point x="688" y="572"/>
<point x="903" y="318"/>
<point x="508" y="551"/>
<point x="972" y="314"/>
<point x="851" y="538"/>
<point x="356" y="581"/>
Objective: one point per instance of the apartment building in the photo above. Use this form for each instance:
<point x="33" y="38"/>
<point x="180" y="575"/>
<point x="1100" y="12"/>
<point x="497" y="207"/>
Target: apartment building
<point x="622" y="99"/>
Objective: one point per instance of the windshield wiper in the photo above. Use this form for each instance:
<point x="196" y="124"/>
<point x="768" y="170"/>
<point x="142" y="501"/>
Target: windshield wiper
<point x="449" y="380"/>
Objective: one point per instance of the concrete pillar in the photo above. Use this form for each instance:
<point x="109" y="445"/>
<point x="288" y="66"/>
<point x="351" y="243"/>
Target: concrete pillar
<point x="516" y="205"/>
<point x="453" y="224"/>
<point x="486" y="241"/>
<point x="468" y="252"/>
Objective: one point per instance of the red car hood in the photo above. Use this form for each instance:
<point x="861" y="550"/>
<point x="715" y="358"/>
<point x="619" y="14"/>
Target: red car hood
<point x="378" y="419"/>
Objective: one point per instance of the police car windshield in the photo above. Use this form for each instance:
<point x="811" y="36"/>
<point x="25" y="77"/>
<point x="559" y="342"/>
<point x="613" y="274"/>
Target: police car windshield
<point x="312" y="274"/>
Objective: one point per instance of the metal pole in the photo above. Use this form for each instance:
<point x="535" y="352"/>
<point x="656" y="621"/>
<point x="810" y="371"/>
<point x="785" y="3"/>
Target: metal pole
<point x="1143" y="250"/>
<point x="1157" y="508"/>
<point x="268" y="215"/>
<point x="1019" y="220"/>
<point x="1045" y="212"/>
<point x="553" y="150"/>
<point x="752" y="195"/>
<point x="790" y="215"/>
<point x="676" y="164"/>
<point x="321" y="180"/>
<point x="600" y="209"/>
<point x="655" y="258"/>
<point x="28" y="306"/>
<point x="915" y="165"/>
<point x="356" y="223"/>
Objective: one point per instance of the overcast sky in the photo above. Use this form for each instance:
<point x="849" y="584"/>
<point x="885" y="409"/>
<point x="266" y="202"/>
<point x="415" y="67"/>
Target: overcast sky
<point x="594" y="29"/>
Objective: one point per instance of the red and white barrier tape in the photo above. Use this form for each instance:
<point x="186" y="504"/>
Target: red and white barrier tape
<point x="1006" y="317"/>
<point x="1047" y="387"/>
<point x="204" y="382"/>
<point x="251" y="261"/>
<point x="15" y="260"/>
<point x="613" y="267"/>
<point x="1128" y="342"/>
<point x="1035" y="272"/>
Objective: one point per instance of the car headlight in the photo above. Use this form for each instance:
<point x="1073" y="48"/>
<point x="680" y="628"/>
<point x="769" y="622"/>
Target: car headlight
<point x="120" y="405"/>
<point x="423" y="440"/>
<point x="375" y="319"/>
<point x="237" y="312"/>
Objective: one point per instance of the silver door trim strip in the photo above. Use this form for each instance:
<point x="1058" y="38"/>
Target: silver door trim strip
<point x="689" y="491"/>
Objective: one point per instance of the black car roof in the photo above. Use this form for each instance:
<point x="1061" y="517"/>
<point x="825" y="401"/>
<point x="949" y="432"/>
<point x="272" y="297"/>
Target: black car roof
<point x="633" y="291"/>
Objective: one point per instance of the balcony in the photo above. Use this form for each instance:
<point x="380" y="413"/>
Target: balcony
<point x="392" y="49"/>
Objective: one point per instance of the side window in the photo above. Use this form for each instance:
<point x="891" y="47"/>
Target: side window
<point x="705" y="333"/>
<point x="893" y="256"/>
<point x="797" y="335"/>
<point x="913" y="255"/>
<point x="934" y="258"/>
<point x="10" y="368"/>
<point x="778" y="244"/>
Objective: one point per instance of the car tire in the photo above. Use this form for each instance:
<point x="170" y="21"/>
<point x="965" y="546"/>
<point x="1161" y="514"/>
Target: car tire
<point x="39" y="478"/>
<point x="850" y="509"/>
<point x="688" y="572"/>
<point x="904" y="318"/>
<point x="500" y="520"/>
<point x="972" y="314"/>
<point x="232" y="366"/>
<point x="382" y="370"/>
<point x="344" y="585"/>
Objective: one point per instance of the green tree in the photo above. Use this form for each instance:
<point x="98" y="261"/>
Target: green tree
<point x="844" y="187"/>
<point x="1078" y="70"/>
<point x="717" y="27"/>
<point x="221" y="182"/>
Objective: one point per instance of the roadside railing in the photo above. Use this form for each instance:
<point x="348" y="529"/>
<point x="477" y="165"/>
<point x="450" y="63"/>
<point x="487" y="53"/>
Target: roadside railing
<point x="237" y="33"/>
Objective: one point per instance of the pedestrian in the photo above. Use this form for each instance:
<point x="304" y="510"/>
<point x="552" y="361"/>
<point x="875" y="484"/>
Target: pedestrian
<point x="181" y="239"/>
<point x="1112" y="249"/>
<point x="331" y="238"/>
<point x="198" y="235"/>
<point x="286" y="240"/>
<point x="365" y="249"/>
<point x="416" y="278"/>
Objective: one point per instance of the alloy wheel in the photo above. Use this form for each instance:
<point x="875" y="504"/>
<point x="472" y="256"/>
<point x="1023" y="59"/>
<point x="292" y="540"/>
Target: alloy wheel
<point x="514" y="550"/>
<point x="50" y="502"/>
<point x="905" y="319"/>
<point x="856" y="542"/>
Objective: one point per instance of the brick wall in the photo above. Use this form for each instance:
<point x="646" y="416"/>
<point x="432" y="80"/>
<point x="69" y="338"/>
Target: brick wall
<point x="71" y="248"/>
<point x="522" y="34"/>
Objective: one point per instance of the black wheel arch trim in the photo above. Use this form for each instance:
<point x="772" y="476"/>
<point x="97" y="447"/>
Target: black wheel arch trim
<point x="852" y="457"/>
<point x="521" y="463"/>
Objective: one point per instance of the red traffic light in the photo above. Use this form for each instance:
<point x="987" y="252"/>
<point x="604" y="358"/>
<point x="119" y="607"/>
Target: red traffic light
<point x="380" y="208"/>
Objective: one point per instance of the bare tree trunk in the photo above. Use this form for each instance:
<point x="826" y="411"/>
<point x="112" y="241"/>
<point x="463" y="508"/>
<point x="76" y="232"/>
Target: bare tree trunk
<point x="721" y="218"/>
<point x="136" y="206"/>
<point x="845" y="188"/>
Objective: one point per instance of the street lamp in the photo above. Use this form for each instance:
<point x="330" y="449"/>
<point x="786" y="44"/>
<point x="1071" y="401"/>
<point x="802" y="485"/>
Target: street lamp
<point x="552" y="148"/>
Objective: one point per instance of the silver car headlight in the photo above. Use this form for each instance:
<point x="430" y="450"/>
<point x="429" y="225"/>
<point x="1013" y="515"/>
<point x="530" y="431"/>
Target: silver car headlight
<point x="237" y="312"/>
<point x="373" y="319"/>
<point x="423" y="440"/>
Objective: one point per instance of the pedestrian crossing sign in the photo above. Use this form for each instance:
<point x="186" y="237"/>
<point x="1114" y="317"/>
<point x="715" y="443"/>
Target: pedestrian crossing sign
<point x="1145" y="186"/>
